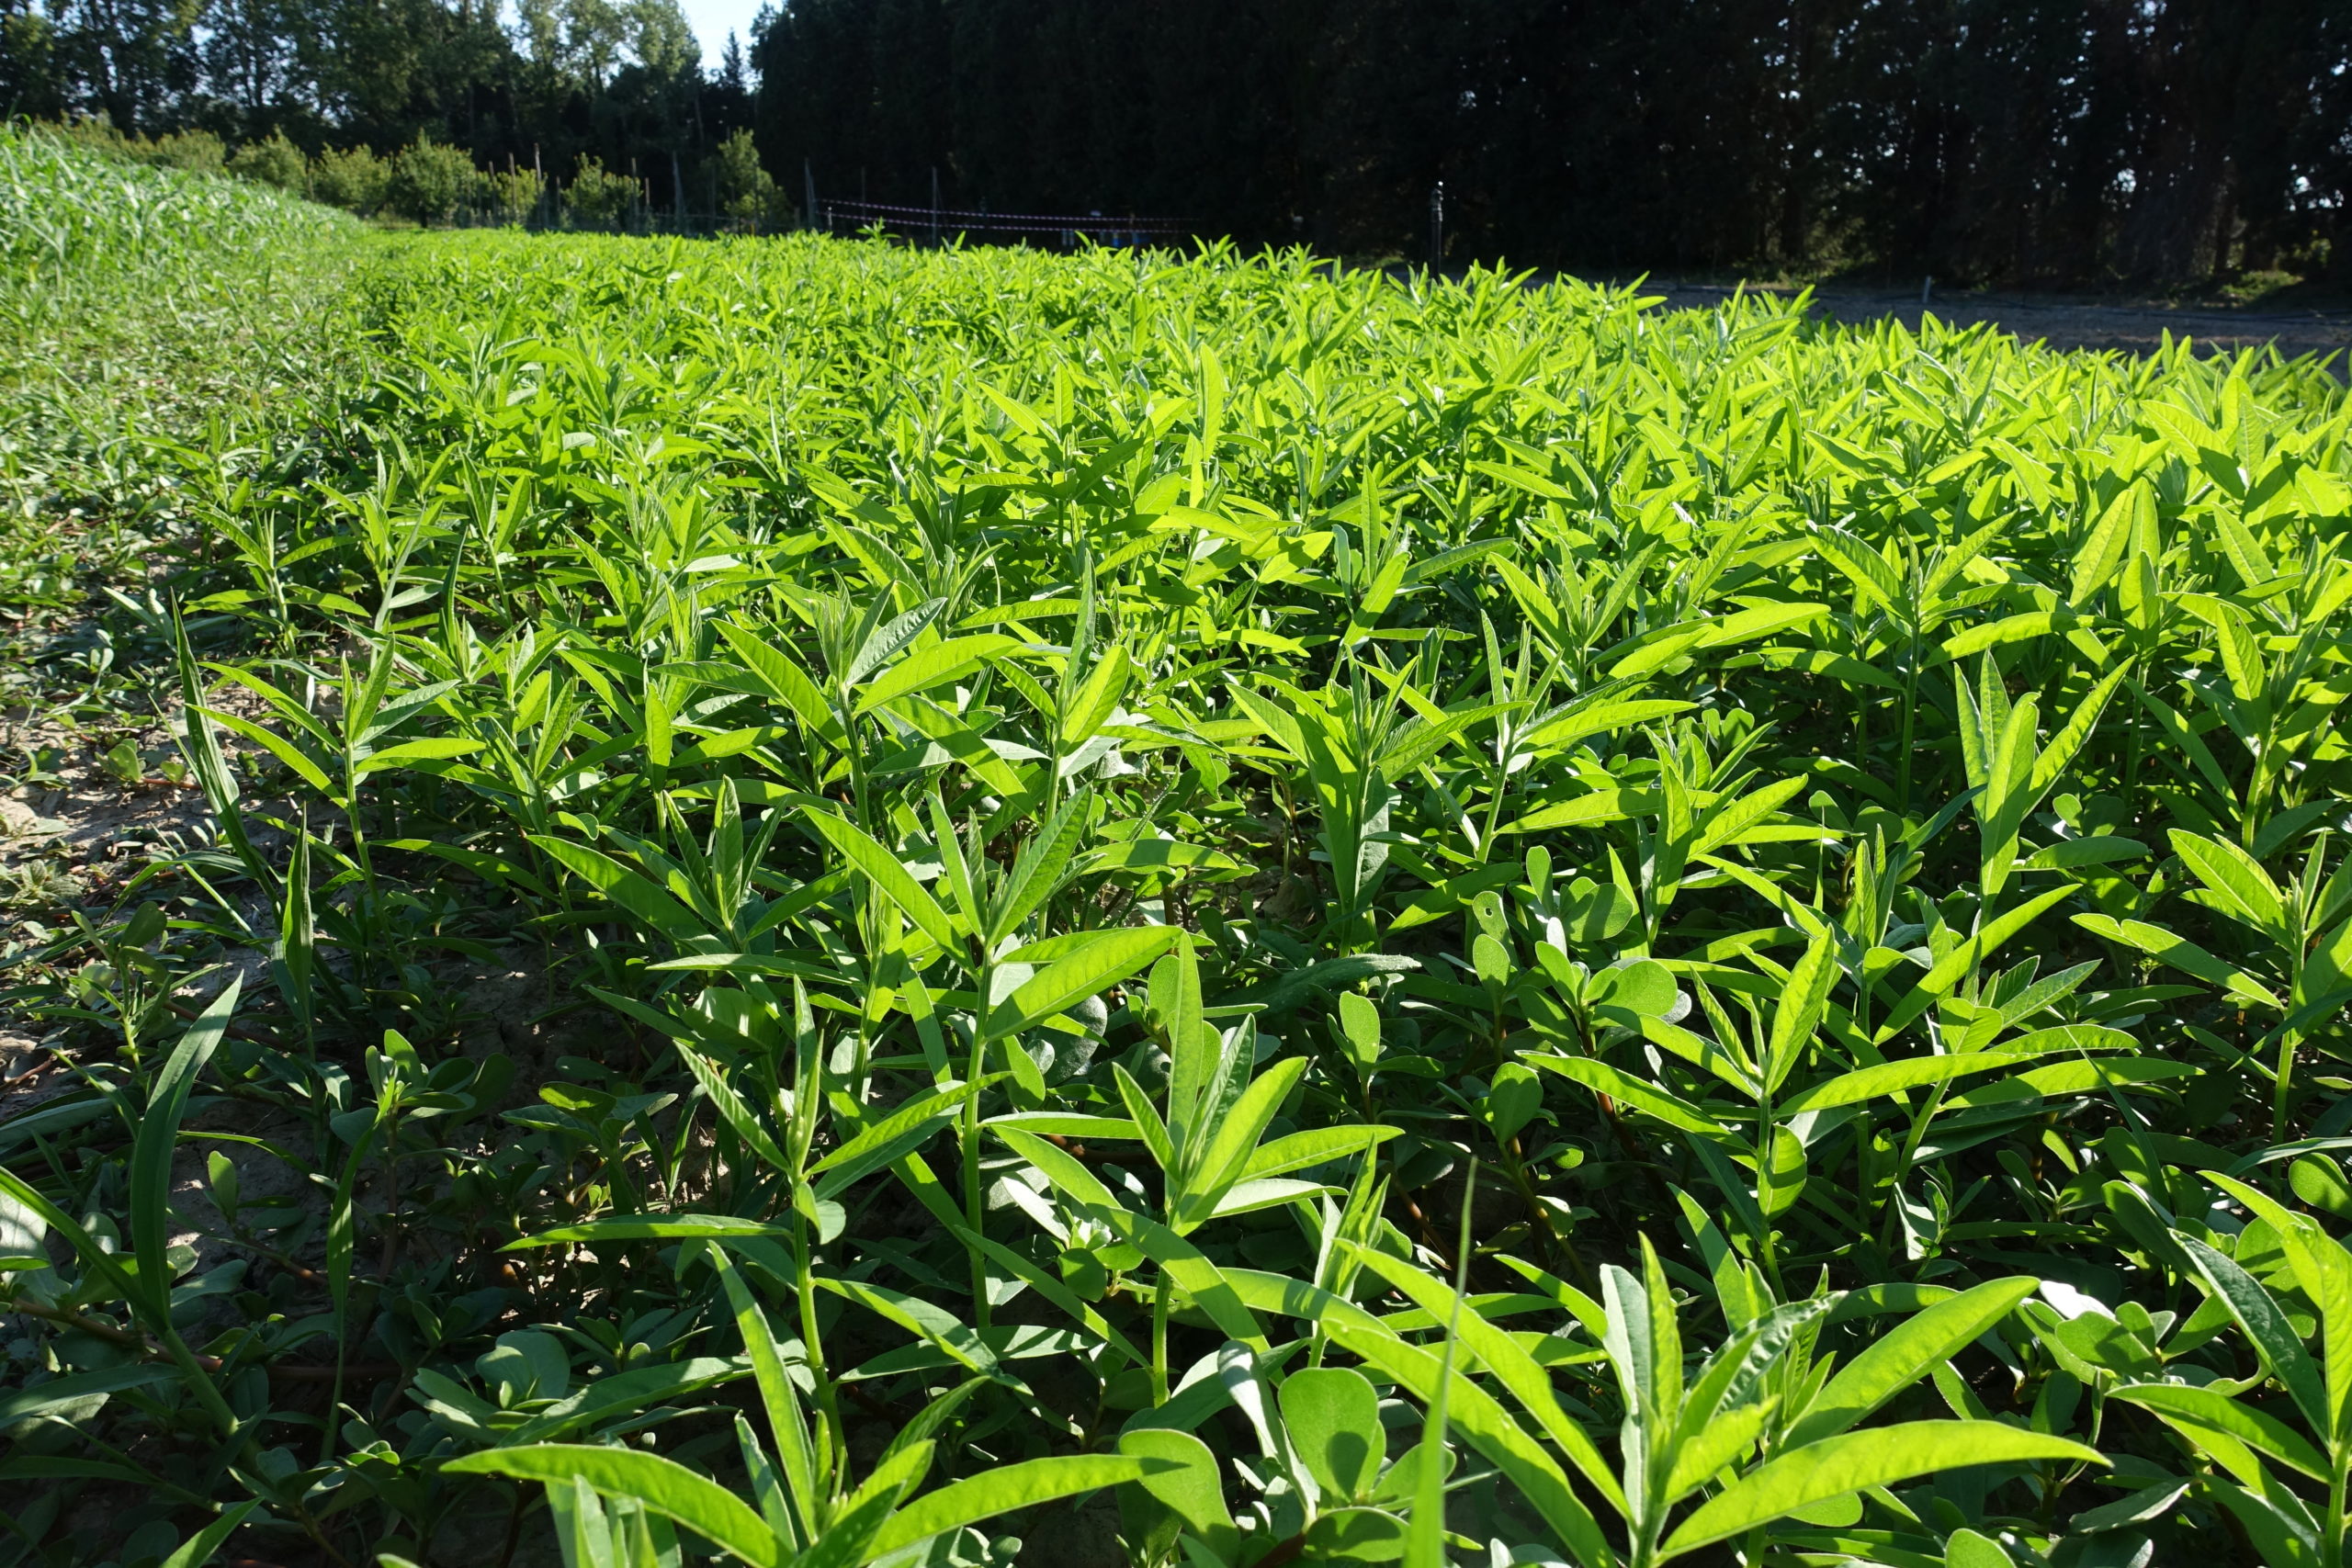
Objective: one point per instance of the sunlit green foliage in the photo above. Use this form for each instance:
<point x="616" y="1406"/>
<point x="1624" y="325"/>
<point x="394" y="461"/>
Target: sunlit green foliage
<point x="1380" y="921"/>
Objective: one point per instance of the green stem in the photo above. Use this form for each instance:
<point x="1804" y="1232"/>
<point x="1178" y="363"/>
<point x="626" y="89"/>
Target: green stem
<point x="972" y="1163"/>
<point x="1910" y="712"/>
<point x="2330" y="1549"/>
<point x="1159" y="1339"/>
<point x="207" y="1391"/>
<point x="812" y="1348"/>
<point x="2283" y="1089"/>
<point x="1902" y="1161"/>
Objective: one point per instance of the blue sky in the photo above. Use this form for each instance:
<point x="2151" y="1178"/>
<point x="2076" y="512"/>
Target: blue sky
<point x="711" y="20"/>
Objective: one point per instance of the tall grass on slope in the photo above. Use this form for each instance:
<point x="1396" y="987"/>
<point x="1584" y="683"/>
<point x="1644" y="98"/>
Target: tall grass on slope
<point x="160" y="335"/>
<point x="70" y="215"/>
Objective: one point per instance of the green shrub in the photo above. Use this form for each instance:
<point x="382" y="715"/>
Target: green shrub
<point x="273" y="161"/>
<point x="750" y="202"/>
<point x="511" y="197"/>
<point x="430" y="181"/>
<point x="353" y="178"/>
<point x="598" y="198"/>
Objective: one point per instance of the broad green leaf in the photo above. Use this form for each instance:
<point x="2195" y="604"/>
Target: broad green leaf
<point x="1184" y="1479"/>
<point x="1332" y="1416"/>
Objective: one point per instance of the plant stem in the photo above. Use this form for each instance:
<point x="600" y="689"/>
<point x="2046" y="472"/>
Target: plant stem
<point x="1159" y="1339"/>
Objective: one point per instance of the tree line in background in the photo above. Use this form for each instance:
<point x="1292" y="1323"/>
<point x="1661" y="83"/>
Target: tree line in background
<point x="2015" y="141"/>
<point x="2019" y="140"/>
<point x="362" y="101"/>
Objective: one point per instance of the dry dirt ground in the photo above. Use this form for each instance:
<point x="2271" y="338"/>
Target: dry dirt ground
<point x="2068" y="321"/>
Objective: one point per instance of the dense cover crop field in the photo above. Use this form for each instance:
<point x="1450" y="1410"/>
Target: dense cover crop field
<point x="1196" y="910"/>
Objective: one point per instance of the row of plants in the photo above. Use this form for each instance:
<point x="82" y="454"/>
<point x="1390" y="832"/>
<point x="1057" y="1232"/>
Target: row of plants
<point x="885" y="906"/>
<point x="433" y="184"/>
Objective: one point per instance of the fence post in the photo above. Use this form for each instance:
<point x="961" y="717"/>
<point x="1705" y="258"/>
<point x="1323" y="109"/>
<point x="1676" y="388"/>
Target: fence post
<point x="808" y="175"/>
<point x="1437" y="226"/>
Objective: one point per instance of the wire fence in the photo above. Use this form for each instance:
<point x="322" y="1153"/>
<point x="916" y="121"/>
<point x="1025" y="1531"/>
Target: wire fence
<point x="938" y="224"/>
<point x="553" y="215"/>
<point x="918" y="224"/>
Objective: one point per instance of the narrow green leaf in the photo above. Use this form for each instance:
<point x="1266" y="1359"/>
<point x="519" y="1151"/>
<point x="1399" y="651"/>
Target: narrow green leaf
<point x="632" y="891"/>
<point x="159" y="1132"/>
<point x="935" y="665"/>
<point x="22" y="1403"/>
<point x="2265" y="1323"/>
<point x="1101" y="962"/>
<point x="1866" y="1084"/>
<point x="663" y="1485"/>
<point x="1901" y="1358"/>
<point x="883" y="871"/>
<point x="1623" y="1087"/>
<point x="1005" y="1488"/>
<point x="1835" y="1467"/>
<point x="1488" y="1427"/>
<point x="2200" y="1414"/>
<point x="198" y="1549"/>
<point x="1504" y="1357"/>
<point x="649" y="1227"/>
